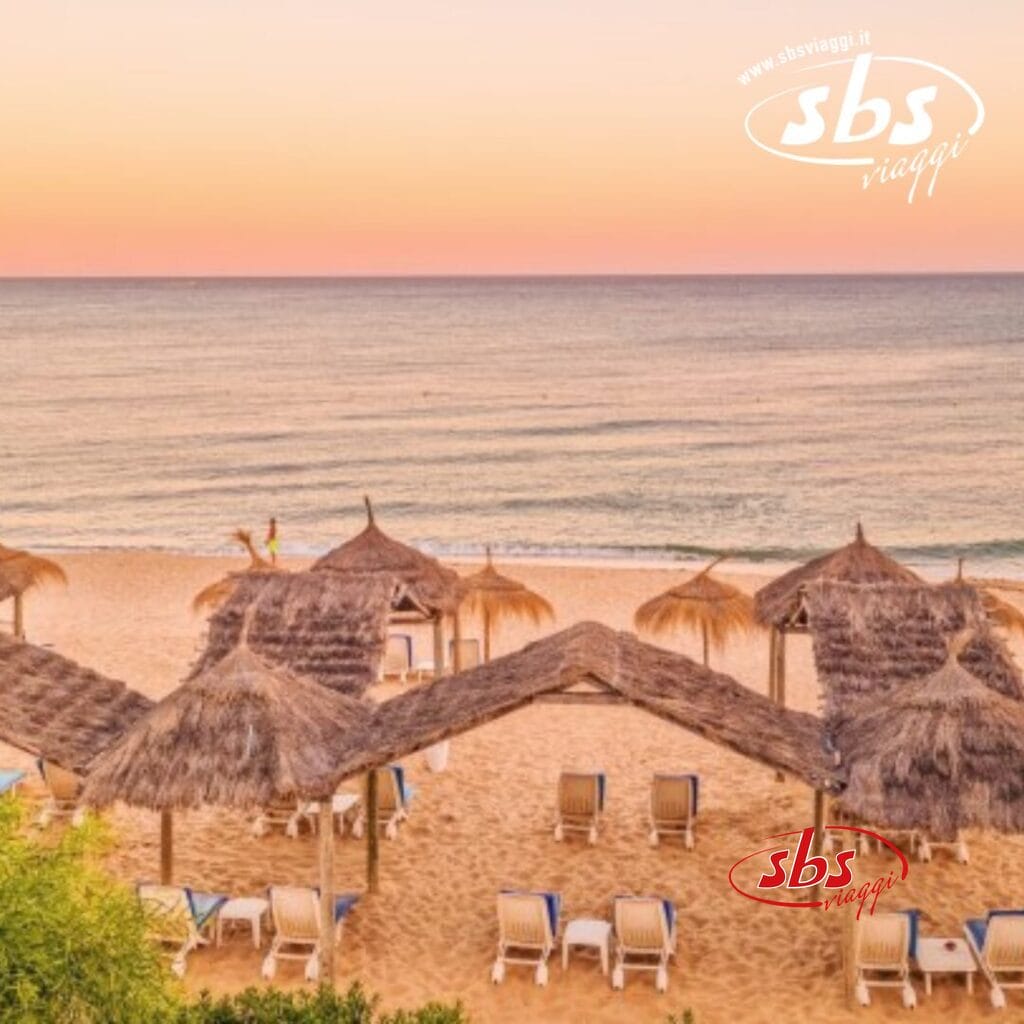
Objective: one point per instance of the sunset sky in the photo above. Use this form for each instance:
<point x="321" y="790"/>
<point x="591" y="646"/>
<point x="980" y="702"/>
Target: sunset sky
<point x="345" y="137"/>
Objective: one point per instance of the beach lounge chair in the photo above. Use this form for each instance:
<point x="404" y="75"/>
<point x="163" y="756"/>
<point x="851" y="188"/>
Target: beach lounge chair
<point x="884" y="944"/>
<point x="283" y="814"/>
<point x="397" y="661"/>
<point x="527" y="931"/>
<point x="64" y="788"/>
<point x="645" y="938"/>
<point x="394" y="797"/>
<point x="469" y="654"/>
<point x="580" y="803"/>
<point x="9" y="779"/>
<point x="674" y="807"/>
<point x="958" y="847"/>
<point x="179" y="917"/>
<point x="997" y="942"/>
<point x="295" y="911"/>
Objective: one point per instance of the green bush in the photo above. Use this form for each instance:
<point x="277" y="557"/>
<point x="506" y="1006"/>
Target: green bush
<point x="686" y="1017"/>
<point x="73" y="950"/>
<point x="270" y="1006"/>
<point x="72" y="941"/>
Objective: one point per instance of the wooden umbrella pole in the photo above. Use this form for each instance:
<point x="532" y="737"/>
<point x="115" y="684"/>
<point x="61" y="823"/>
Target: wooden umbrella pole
<point x="704" y="640"/>
<point x="772" y="658"/>
<point x="780" y="671"/>
<point x="372" y="835"/>
<point x="780" y="678"/>
<point x="327" y="890"/>
<point x="456" y="642"/>
<point x="19" y="617"/>
<point x="166" y="847"/>
<point x="819" y="831"/>
<point x="438" y="646"/>
<point x="487" y="635"/>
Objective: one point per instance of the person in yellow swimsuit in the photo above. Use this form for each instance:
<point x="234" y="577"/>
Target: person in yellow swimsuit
<point x="272" y="541"/>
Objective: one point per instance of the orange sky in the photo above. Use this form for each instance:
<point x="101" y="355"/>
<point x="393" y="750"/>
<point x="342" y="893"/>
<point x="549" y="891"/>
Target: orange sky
<point x="419" y="137"/>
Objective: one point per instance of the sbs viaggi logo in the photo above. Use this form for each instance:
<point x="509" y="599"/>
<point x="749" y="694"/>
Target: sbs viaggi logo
<point x="787" y="873"/>
<point x="896" y="119"/>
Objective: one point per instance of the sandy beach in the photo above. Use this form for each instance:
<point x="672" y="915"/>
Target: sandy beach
<point x="485" y="824"/>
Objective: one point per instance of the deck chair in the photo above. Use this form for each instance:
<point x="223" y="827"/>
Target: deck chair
<point x="958" y="847"/>
<point x="178" y="918"/>
<point x="397" y="661"/>
<point x="997" y="942"/>
<point x="645" y="938"/>
<point x="884" y="945"/>
<point x="9" y="780"/>
<point x="283" y="814"/>
<point x="64" y="788"/>
<point x="394" y="797"/>
<point x="469" y="654"/>
<point x="580" y="803"/>
<point x="295" y="911"/>
<point x="674" y="807"/>
<point x="527" y="930"/>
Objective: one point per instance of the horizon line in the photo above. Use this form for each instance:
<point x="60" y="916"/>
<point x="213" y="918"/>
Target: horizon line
<point x="507" y="275"/>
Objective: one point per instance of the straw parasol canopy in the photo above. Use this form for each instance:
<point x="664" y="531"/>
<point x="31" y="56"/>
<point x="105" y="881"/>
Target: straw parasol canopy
<point x="496" y="598"/>
<point x="938" y="754"/>
<point x="714" y="609"/>
<point x="780" y="602"/>
<point x="1000" y="611"/>
<point x="20" y="571"/>
<point x="373" y="553"/>
<point x="241" y="734"/>
<point x="212" y="597"/>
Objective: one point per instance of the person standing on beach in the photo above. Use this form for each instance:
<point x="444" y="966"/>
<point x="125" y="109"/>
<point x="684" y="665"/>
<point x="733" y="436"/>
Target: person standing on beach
<point x="272" y="540"/>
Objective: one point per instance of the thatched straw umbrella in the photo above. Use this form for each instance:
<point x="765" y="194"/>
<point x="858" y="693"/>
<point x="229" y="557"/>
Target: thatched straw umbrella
<point x="780" y="604"/>
<point x="19" y="571"/>
<point x="240" y="735"/>
<point x="213" y="596"/>
<point x="1000" y="612"/>
<point x="713" y="608"/>
<point x="431" y="586"/>
<point x="939" y="754"/>
<point x="496" y="598"/>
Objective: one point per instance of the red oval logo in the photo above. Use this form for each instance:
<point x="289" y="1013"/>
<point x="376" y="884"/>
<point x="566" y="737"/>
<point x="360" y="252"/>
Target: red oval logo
<point x="799" y="869"/>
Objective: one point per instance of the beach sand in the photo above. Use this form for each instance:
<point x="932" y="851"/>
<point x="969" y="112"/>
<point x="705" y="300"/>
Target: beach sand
<point x="485" y="824"/>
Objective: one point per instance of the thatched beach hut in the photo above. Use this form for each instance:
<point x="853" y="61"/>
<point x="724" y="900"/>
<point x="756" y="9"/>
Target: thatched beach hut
<point x="241" y="734"/>
<point x="53" y="708"/>
<point x="496" y="598"/>
<point x="780" y="604"/>
<point x="873" y="638"/>
<point x="330" y="622"/>
<point x="940" y="753"/>
<point x="714" y="609"/>
<point x="19" y="572"/>
<point x="588" y="664"/>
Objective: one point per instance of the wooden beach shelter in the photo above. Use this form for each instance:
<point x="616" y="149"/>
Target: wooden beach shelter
<point x="329" y="623"/>
<point x="940" y="753"/>
<point x="496" y="598"/>
<point x="57" y="710"/>
<point x="19" y="572"/>
<point x="213" y="596"/>
<point x="780" y="606"/>
<point x="429" y="592"/>
<point x="242" y="734"/>
<point x="714" y="609"/>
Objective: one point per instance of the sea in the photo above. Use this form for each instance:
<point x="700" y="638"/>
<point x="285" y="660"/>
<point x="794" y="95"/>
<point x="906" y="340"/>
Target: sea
<point x="638" y="418"/>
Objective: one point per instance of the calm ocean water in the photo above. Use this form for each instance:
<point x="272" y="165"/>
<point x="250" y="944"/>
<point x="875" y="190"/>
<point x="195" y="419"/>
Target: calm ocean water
<point x="650" y="417"/>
